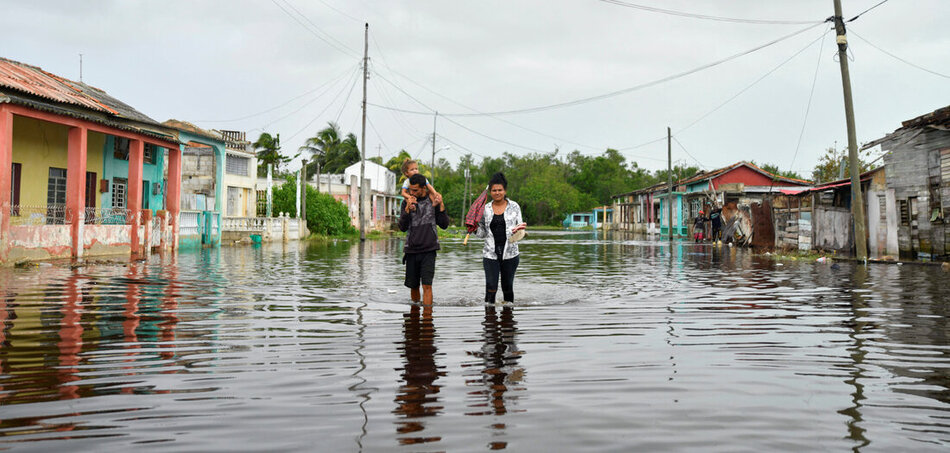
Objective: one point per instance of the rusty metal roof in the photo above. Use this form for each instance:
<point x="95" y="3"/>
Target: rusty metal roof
<point x="45" y="85"/>
<point x="32" y="87"/>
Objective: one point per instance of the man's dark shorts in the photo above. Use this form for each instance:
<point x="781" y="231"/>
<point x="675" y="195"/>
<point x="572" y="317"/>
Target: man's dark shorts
<point x="419" y="267"/>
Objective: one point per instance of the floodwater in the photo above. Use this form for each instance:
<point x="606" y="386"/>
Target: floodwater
<point x="612" y="344"/>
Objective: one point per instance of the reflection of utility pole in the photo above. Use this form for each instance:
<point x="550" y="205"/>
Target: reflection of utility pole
<point x="363" y="138"/>
<point x="857" y="200"/>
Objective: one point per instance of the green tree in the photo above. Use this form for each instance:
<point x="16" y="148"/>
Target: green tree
<point x="331" y="150"/>
<point x="775" y="170"/>
<point x="325" y="215"/>
<point x="267" y="147"/>
<point x="829" y="166"/>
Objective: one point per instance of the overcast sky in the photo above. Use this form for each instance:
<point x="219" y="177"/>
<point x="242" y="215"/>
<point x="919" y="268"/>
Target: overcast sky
<point x="291" y="66"/>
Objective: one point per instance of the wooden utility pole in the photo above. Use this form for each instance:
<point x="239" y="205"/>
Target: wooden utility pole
<point x="363" y="138"/>
<point x="669" y="178"/>
<point x="857" y="199"/>
<point x="434" y="118"/>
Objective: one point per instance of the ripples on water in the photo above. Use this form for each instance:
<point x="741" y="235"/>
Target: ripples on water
<point x="613" y="344"/>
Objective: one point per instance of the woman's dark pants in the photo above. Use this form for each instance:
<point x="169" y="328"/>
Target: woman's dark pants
<point x="505" y="268"/>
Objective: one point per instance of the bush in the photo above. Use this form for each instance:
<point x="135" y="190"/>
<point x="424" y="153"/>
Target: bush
<point x="325" y="215"/>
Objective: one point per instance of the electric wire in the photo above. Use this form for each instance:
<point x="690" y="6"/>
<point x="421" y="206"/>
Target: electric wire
<point x="754" y="83"/>
<point x="317" y="116"/>
<point x="345" y="50"/>
<point x="707" y="16"/>
<point x="688" y="153"/>
<point x="622" y="91"/>
<point x="334" y="79"/>
<point x="328" y="88"/>
<point x="862" y="12"/>
<point x="811" y="94"/>
<point x="345" y="101"/>
<point x="896" y="57"/>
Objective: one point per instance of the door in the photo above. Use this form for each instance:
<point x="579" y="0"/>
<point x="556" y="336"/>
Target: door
<point x="15" y="189"/>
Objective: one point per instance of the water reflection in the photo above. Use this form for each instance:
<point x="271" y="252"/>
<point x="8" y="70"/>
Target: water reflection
<point x="418" y="397"/>
<point x="500" y="378"/>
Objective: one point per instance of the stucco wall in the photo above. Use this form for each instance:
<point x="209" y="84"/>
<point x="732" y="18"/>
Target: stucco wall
<point x="39" y="145"/>
<point x="117" y="168"/>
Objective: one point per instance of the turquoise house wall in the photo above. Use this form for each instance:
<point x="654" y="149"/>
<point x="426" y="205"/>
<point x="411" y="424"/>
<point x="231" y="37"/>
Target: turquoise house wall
<point x="679" y="228"/>
<point x="117" y="168"/>
<point x="219" y="153"/>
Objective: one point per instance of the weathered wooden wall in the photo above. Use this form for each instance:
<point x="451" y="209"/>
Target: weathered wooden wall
<point x="919" y="174"/>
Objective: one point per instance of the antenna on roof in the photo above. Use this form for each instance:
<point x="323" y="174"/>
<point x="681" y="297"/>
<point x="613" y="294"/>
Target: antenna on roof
<point x="80" y="68"/>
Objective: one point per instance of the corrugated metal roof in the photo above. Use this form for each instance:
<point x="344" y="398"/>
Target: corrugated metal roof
<point x="16" y="77"/>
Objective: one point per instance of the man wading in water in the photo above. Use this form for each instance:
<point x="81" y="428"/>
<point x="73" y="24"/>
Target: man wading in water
<point x="422" y="241"/>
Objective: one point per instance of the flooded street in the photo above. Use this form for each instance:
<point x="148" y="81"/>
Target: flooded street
<point x="613" y="344"/>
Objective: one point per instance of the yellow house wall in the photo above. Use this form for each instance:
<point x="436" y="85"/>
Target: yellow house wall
<point x="39" y="145"/>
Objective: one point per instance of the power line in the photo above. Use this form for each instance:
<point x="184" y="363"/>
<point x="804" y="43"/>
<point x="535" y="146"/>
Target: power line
<point x="343" y="106"/>
<point x="346" y="50"/>
<point x="618" y="92"/>
<point x="493" y="138"/>
<point x="309" y="102"/>
<point x="319" y="114"/>
<point x="334" y="79"/>
<point x="749" y="86"/>
<point x="896" y="57"/>
<point x="707" y="16"/>
<point x="862" y="12"/>
<point x="811" y="94"/>
<point x="687" y="152"/>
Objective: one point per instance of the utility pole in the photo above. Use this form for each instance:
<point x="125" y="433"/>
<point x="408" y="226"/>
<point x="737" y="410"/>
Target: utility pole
<point x="857" y="199"/>
<point x="363" y="138"/>
<point x="468" y="188"/>
<point x="303" y="191"/>
<point x="318" y="178"/>
<point x="80" y="68"/>
<point x="669" y="176"/>
<point x="434" y="118"/>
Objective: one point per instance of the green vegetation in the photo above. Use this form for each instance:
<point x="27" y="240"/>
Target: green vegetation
<point x="325" y="215"/>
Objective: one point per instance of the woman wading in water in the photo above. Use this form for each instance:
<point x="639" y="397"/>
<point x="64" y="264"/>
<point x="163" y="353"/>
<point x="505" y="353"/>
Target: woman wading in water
<point x="502" y="228"/>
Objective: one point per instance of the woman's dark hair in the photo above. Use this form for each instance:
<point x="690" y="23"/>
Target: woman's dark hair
<point x="498" y="178"/>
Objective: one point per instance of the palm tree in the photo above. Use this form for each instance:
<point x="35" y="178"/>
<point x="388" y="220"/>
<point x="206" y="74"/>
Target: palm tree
<point x="332" y="153"/>
<point x="268" y="152"/>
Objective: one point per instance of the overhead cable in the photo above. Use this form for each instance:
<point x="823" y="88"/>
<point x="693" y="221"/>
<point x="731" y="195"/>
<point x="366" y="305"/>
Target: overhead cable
<point x="754" y="83"/>
<point x="811" y="94"/>
<point x="333" y="80"/>
<point x="619" y="92"/>
<point x="862" y="12"/>
<point x="345" y="49"/>
<point x="895" y="56"/>
<point x="709" y="17"/>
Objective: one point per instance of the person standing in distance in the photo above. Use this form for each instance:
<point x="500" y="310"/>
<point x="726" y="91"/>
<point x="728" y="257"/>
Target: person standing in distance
<point x="419" y="220"/>
<point x="502" y="228"/>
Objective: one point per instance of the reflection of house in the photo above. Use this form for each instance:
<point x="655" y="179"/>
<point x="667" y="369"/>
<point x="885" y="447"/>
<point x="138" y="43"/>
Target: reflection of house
<point x="917" y="164"/>
<point x="86" y="170"/>
<point x="742" y="183"/>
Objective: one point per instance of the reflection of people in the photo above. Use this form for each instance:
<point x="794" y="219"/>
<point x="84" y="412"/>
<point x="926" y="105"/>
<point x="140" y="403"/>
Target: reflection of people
<point x="500" y="226"/>
<point x="422" y="241"/>
<point x="418" y="397"/>
<point x="500" y="373"/>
